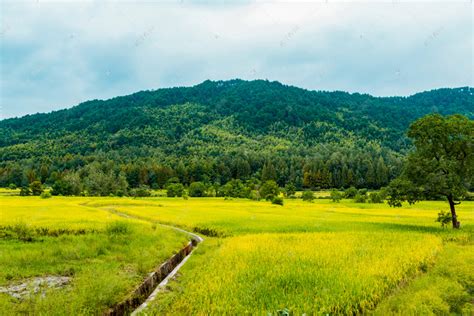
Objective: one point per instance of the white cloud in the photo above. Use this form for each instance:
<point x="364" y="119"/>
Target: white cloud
<point x="55" y="55"/>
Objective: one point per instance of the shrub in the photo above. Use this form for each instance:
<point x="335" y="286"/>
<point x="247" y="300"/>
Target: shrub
<point x="25" y="191"/>
<point x="174" y="189"/>
<point x="197" y="189"/>
<point x="100" y="179"/>
<point x="350" y="193"/>
<point x="12" y="186"/>
<point x="36" y="188"/>
<point x="360" y="198"/>
<point x="60" y="188"/>
<point x="270" y="197"/>
<point x="336" y="196"/>
<point x="45" y="195"/>
<point x="142" y="191"/>
<point x="444" y="218"/>
<point x="277" y="200"/>
<point x="211" y="191"/>
<point x="70" y="185"/>
<point x="290" y="189"/>
<point x="172" y="180"/>
<point x="375" y="197"/>
<point x="308" y="196"/>
<point x="234" y="188"/>
<point x="383" y="193"/>
<point x="269" y="190"/>
<point x="254" y="195"/>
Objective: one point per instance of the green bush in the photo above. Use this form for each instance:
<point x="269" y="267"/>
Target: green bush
<point x="69" y="185"/>
<point x="172" y="180"/>
<point x="142" y="191"/>
<point x="269" y="190"/>
<point x="375" y="197"/>
<point x="45" y="195"/>
<point x="25" y="191"/>
<point x="336" y="196"/>
<point x="234" y="188"/>
<point x="350" y="193"/>
<point x="277" y="200"/>
<point x="197" y="189"/>
<point x="290" y="189"/>
<point x="175" y="189"/>
<point x="308" y="196"/>
<point x="360" y="198"/>
<point x="444" y="218"/>
<point x="36" y="188"/>
<point x="383" y="193"/>
<point x="254" y="195"/>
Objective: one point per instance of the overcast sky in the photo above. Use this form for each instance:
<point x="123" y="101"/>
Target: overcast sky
<point x="56" y="55"/>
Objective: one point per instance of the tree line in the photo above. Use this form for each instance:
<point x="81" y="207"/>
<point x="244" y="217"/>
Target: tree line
<point x="100" y="175"/>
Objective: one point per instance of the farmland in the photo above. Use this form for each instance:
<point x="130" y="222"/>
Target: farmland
<point x="106" y="256"/>
<point x="257" y="258"/>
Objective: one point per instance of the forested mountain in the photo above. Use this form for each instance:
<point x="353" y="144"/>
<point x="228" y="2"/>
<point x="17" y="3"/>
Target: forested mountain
<point x="222" y="130"/>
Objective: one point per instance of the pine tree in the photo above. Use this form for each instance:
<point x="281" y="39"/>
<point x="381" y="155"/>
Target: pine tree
<point x="381" y="173"/>
<point x="268" y="172"/>
<point x="370" y="177"/>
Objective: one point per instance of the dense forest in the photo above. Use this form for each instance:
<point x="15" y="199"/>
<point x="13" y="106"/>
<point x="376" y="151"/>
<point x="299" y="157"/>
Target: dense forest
<point x="219" y="132"/>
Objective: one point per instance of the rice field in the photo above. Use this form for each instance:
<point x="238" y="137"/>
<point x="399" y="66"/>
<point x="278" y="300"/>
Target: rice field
<point x="257" y="258"/>
<point x="104" y="255"/>
<point x="239" y="216"/>
<point x="322" y="273"/>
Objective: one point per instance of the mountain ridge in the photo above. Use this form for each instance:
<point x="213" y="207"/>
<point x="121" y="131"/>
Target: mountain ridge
<point x="218" y="122"/>
<point x="217" y="82"/>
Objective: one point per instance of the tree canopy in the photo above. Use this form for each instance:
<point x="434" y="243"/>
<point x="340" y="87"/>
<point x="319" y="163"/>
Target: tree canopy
<point x="442" y="163"/>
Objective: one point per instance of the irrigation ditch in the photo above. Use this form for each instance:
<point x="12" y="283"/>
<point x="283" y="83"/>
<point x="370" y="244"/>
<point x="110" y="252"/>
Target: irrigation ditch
<point x="157" y="280"/>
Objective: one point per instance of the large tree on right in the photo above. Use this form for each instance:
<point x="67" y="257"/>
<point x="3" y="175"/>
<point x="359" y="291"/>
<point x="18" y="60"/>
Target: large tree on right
<point x="441" y="165"/>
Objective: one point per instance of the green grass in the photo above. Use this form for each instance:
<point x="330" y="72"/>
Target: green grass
<point x="446" y="288"/>
<point x="313" y="258"/>
<point x="106" y="261"/>
<point x="304" y="273"/>
<point x="244" y="221"/>
<point x="239" y="216"/>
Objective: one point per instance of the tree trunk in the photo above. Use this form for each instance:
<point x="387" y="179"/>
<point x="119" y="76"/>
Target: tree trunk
<point x="454" y="217"/>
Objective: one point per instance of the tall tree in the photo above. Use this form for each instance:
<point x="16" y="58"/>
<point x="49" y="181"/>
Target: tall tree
<point x="268" y="172"/>
<point x="370" y="175"/>
<point x="381" y="172"/>
<point x="441" y="165"/>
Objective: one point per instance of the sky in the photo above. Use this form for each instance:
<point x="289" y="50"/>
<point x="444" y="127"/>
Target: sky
<point x="58" y="54"/>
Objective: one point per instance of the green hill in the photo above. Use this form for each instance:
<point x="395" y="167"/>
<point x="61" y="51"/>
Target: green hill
<point x="217" y="131"/>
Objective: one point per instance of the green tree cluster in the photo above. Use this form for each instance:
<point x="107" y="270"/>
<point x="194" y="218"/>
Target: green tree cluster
<point x="442" y="164"/>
